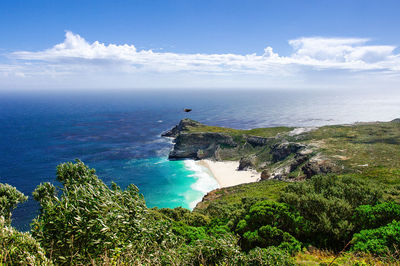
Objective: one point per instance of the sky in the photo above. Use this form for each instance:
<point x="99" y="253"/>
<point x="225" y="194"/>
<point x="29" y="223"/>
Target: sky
<point x="156" y="44"/>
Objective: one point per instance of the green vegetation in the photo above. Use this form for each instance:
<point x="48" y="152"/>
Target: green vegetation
<point x="86" y="222"/>
<point x="379" y="241"/>
<point x="17" y="248"/>
<point x="259" y="132"/>
<point x="9" y="199"/>
<point x="221" y="202"/>
<point x="370" y="148"/>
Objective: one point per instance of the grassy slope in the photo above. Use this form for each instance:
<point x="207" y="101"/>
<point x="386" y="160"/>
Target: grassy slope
<point x="260" y="132"/>
<point x="365" y="150"/>
<point x="369" y="150"/>
<point x="268" y="189"/>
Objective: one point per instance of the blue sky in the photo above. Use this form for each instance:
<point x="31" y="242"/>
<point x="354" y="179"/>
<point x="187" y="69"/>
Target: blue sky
<point x="297" y="44"/>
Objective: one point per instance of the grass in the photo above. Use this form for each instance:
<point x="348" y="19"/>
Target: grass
<point x="371" y="150"/>
<point x="321" y="257"/>
<point x="269" y="189"/>
<point x="259" y="132"/>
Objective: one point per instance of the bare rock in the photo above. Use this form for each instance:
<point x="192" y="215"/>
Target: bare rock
<point x="281" y="151"/>
<point x="265" y="175"/>
<point x="246" y="163"/>
<point x="257" y="141"/>
<point x="199" y="145"/>
<point x="318" y="166"/>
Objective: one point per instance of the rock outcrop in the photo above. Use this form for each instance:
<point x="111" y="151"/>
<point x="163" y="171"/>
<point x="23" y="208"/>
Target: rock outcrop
<point x="265" y="174"/>
<point x="281" y="151"/>
<point x="317" y="166"/>
<point x="258" y="141"/>
<point x="199" y="145"/>
<point x="248" y="162"/>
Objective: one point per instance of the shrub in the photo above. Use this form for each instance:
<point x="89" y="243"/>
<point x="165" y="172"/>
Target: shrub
<point x="368" y="217"/>
<point x="190" y="233"/>
<point x="327" y="204"/>
<point x="9" y="198"/>
<point x="270" y="224"/>
<point x="378" y="241"/>
<point x="213" y="251"/>
<point x="184" y="215"/>
<point x="18" y="248"/>
<point x="267" y="256"/>
<point x="89" y="219"/>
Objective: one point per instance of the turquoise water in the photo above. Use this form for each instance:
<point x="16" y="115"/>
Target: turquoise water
<point x="118" y="133"/>
<point x="167" y="184"/>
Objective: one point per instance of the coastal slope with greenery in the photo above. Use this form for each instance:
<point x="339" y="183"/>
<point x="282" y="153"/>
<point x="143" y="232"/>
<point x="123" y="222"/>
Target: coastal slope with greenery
<point x="326" y="190"/>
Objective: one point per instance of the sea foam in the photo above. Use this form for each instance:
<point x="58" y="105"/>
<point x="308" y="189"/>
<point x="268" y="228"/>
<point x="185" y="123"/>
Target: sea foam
<point x="205" y="181"/>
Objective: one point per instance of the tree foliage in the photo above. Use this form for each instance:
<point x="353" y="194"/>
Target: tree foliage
<point x="89" y="218"/>
<point x="327" y="203"/>
<point x="9" y="199"/>
<point x="368" y="217"/>
<point x="270" y="223"/>
<point x="378" y="241"/>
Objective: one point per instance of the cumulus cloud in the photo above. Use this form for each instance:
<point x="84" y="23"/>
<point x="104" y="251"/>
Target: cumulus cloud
<point x="75" y="56"/>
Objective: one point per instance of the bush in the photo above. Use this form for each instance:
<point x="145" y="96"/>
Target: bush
<point x="379" y="241"/>
<point x="213" y="251"/>
<point x="190" y="233"/>
<point x="89" y="219"/>
<point x="270" y="224"/>
<point x="268" y="256"/>
<point x="185" y="216"/>
<point x="16" y="248"/>
<point x="9" y="198"/>
<point x="19" y="248"/>
<point x="368" y="217"/>
<point x="327" y="203"/>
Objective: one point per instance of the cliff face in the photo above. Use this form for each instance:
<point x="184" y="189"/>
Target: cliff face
<point x="196" y="145"/>
<point x="200" y="145"/>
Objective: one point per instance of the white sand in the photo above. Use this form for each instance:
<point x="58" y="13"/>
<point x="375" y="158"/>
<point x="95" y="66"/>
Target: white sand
<point x="226" y="173"/>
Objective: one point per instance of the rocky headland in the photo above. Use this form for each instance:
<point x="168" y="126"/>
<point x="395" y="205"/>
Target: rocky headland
<point x="275" y="157"/>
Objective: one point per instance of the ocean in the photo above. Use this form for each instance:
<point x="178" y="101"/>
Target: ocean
<point x="118" y="133"/>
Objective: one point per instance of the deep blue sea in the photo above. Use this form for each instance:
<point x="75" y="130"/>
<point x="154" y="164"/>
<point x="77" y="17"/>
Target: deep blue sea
<point x="118" y="133"/>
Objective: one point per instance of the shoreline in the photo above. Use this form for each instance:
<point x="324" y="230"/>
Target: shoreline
<point x="226" y="173"/>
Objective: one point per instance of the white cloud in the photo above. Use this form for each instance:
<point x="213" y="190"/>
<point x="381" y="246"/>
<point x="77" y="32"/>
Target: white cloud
<point x="76" y="58"/>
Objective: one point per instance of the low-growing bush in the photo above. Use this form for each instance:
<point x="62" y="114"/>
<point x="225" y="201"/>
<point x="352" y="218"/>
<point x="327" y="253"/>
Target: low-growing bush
<point x="368" y="217"/>
<point x="378" y="241"/>
<point x="17" y="248"/>
<point x="327" y="203"/>
<point x="268" y="257"/>
<point x="270" y="224"/>
<point x="9" y="199"/>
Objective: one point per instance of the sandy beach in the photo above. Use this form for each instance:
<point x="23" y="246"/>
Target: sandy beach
<point x="226" y="173"/>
